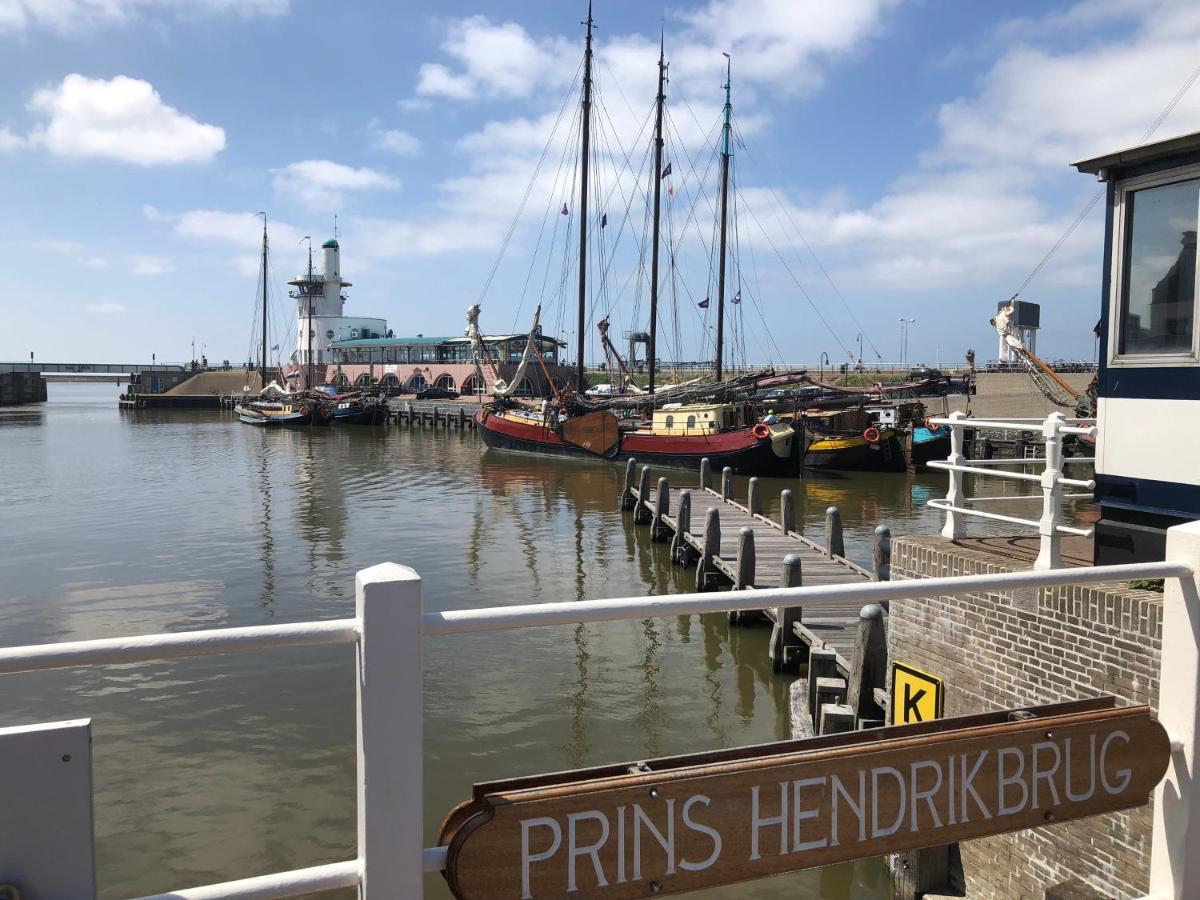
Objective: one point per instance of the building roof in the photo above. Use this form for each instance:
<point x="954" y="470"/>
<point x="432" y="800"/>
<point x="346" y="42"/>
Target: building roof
<point x="1140" y="153"/>
<point x="330" y="244"/>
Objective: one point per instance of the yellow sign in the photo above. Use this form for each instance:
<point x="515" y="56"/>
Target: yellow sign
<point x="916" y="696"/>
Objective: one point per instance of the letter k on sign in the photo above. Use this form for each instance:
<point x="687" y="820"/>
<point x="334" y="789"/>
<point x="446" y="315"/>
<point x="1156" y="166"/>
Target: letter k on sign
<point x="916" y="696"/>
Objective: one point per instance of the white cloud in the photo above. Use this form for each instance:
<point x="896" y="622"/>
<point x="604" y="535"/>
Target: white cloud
<point x="322" y="184"/>
<point x="393" y="140"/>
<point x="72" y="250"/>
<point x="107" y="308"/>
<point x="123" y="119"/>
<point x="239" y="229"/>
<point x="151" y="265"/>
<point x="73" y="16"/>
<point x="10" y="140"/>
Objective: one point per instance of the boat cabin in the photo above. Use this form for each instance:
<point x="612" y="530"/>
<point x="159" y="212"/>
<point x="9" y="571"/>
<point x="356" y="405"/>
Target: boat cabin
<point x="694" y="418"/>
<point x="1148" y="388"/>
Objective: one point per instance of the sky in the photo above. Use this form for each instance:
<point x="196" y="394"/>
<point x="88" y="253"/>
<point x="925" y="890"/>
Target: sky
<point x="894" y="158"/>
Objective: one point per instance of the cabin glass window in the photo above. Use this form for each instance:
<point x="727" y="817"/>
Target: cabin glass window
<point x="670" y="421"/>
<point x="1158" y="281"/>
<point x="691" y="422"/>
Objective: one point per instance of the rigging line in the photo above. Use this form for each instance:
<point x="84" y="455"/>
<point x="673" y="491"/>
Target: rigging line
<point x="777" y="196"/>
<point x="552" y="202"/>
<point x="788" y="269"/>
<point x="713" y="156"/>
<point x="737" y="206"/>
<point x="551" y="209"/>
<point x="1162" y="117"/>
<point x="528" y="190"/>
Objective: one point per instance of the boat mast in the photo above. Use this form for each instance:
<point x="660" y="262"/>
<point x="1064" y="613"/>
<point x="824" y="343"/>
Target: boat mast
<point x="583" y="196"/>
<point x="651" y="350"/>
<point x="726" y="146"/>
<point x="262" y="372"/>
<point x="308" y="382"/>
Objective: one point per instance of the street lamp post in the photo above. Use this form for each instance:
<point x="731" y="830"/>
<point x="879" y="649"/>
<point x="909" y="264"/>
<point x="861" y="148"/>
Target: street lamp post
<point x="823" y="363"/>
<point x="905" y="324"/>
<point x="860" y="363"/>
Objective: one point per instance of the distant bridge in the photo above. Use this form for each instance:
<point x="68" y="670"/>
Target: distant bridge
<point x="90" y="368"/>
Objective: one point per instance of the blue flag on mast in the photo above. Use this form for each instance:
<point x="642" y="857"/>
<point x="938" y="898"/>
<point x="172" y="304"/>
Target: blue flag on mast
<point x="666" y="170"/>
<point x="703" y="304"/>
<point x="565" y="211"/>
<point x="737" y="298"/>
<point x="604" y="220"/>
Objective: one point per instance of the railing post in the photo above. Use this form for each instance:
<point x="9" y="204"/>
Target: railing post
<point x="883" y="553"/>
<point x="835" y="545"/>
<point x="705" y="474"/>
<point x="662" y="507"/>
<point x="787" y="511"/>
<point x="727" y="483"/>
<point x="1175" y="853"/>
<point x="754" y="498"/>
<point x="391" y="827"/>
<point x="955" y="526"/>
<point x="1050" y="549"/>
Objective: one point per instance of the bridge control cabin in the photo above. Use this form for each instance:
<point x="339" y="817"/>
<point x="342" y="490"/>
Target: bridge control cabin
<point x="1148" y="410"/>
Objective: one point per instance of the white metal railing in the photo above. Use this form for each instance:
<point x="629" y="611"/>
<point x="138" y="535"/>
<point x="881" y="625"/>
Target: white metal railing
<point x="957" y="506"/>
<point x="390" y="626"/>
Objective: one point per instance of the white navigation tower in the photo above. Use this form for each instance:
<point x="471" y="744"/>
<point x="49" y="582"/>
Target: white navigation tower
<point x="320" y="305"/>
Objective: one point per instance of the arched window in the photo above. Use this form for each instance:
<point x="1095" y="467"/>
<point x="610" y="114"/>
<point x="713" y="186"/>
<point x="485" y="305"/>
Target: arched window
<point x="343" y="380"/>
<point x="670" y="421"/>
<point x="417" y="382"/>
<point x="389" y="381"/>
<point x="691" y="422"/>
<point x="524" y="389"/>
<point x="363" y="380"/>
<point x="445" y="381"/>
<point x="474" y="385"/>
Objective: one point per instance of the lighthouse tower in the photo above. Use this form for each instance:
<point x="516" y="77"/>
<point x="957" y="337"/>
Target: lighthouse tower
<point x="319" y="305"/>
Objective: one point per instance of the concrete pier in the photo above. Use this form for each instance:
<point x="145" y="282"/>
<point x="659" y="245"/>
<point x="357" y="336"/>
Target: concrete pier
<point x="17" y="388"/>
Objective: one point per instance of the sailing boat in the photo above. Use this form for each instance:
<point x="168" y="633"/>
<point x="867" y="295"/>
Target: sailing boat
<point x="678" y="434"/>
<point x="275" y="407"/>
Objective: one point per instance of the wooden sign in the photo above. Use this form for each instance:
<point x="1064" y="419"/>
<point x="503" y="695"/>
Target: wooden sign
<point x="705" y="820"/>
<point x="916" y="696"/>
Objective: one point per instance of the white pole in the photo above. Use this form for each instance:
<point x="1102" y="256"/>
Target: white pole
<point x="390" y="708"/>
<point x="1175" y="853"/>
<point x="956" y="526"/>
<point x="1050" y="546"/>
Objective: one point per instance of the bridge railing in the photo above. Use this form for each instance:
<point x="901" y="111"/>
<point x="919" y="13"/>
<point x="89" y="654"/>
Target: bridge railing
<point x="1051" y="525"/>
<point x="389" y="629"/>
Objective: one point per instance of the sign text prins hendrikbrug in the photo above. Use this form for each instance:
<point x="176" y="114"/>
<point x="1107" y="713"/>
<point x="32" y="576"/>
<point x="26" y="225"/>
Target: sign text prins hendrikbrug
<point x="711" y="825"/>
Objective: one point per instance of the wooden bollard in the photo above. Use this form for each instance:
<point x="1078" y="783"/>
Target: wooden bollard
<point x="435" y="417"/>
<point x="727" y="483"/>
<point x="834" y="545"/>
<point x="786" y="645"/>
<point x="745" y="559"/>
<point x="408" y="410"/>
<point x="641" y="512"/>
<point x="868" y="662"/>
<point x="754" y="498"/>
<point x="662" y="507"/>
<point x="627" y="500"/>
<point x="712" y="548"/>
<point x="883" y="553"/>
<point x="681" y="551"/>
<point x="705" y="474"/>
<point x="462" y="418"/>
<point x="787" y="511"/>
<point x="834" y="719"/>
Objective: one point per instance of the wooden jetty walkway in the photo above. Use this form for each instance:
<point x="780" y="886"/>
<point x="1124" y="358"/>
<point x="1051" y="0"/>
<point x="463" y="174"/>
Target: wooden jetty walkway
<point x="836" y="645"/>
<point x="458" y="417"/>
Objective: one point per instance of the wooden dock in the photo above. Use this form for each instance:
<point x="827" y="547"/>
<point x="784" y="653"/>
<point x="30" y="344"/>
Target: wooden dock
<point x="836" y="645"/>
<point x="431" y="416"/>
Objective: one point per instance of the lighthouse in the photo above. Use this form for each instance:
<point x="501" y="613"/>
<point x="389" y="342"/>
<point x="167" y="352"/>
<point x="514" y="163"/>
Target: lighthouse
<point x="320" y="308"/>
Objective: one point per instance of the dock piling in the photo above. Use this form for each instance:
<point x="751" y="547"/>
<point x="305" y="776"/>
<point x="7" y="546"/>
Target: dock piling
<point x="662" y="507"/>
<point x="883" y="553"/>
<point x="705" y="474"/>
<point x="754" y="498"/>
<point x="681" y="552"/>
<point x="822" y="663"/>
<point x="834" y="543"/>
<point x="641" y="512"/>
<point x="727" y="483"/>
<point x="705" y="571"/>
<point x="627" y="500"/>
<point x="787" y="511"/>
<point x="868" y="663"/>
<point x="745" y="560"/>
<point x="786" y="648"/>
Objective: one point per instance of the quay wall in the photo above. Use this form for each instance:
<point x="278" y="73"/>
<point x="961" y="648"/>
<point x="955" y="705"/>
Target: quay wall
<point x="1004" y="395"/>
<point x="21" y="387"/>
<point x="1025" y="648"/>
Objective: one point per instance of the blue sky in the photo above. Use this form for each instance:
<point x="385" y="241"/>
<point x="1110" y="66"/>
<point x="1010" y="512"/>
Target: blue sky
<point x="917" y="149"/>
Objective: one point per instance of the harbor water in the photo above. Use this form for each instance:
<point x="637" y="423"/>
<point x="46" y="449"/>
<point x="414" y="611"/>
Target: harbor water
<point x="130" y="523"/>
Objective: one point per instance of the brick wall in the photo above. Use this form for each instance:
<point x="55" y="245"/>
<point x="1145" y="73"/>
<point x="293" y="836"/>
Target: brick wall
<point x="1025" y="648"/>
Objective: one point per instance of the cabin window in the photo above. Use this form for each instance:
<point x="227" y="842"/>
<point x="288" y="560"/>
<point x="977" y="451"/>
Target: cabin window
<point x="1156" y="281"/>
<point x="691" y="423"/>
<point x="670" y="421"/>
